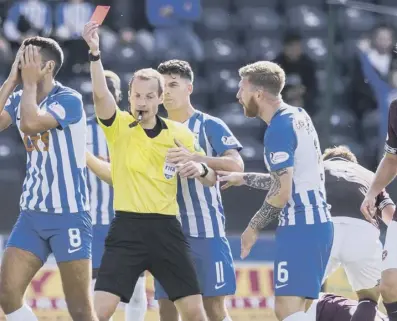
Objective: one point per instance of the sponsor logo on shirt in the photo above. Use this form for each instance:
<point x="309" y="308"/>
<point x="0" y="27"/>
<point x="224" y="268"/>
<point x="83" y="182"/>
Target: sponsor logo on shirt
<point x="229" y="140"/>
<point x="278" y="157"/>
<point x="169" y="170"/>
<point x="57" y="109"/>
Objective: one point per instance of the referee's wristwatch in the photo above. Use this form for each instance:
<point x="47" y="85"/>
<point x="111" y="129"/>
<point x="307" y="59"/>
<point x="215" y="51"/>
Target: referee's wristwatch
<point x="94" y="57"/>
<point x="205" y="168"/>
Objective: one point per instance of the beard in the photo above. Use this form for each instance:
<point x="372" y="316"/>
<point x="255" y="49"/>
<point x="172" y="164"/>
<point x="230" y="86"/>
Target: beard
<point x="251" y="109"/>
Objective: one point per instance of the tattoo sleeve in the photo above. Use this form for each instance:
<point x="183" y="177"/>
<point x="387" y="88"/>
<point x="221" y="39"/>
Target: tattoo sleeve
<point x="259" y="181"/>
<point x="268" y="213"/>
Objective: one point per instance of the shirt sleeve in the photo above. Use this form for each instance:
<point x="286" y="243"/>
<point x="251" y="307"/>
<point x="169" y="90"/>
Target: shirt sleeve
<point x="112" y="130"/>
<point x="280" y="145"/>
<point x="67" y="109"/>
<point x="189" y="140"/>
<point x="12" y="105"/>
<point x="221" y="137"/>
<point x="391" y="139"/>
<point x="383" y="200"/>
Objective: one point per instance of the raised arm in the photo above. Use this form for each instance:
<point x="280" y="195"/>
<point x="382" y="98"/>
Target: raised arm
<point x="99" y="167"/>
<point x="255" y="180"/>
<point x="104" y="103"/>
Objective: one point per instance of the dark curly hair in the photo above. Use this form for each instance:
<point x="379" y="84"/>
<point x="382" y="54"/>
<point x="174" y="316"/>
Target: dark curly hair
<point x="176" y="67"/>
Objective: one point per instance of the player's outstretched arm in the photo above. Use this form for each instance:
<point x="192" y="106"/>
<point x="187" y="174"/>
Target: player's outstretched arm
<point x="255" y="180"/>
<point x="200" y="171"/>
<point x="100" y="168"/>
<point x="229" y="161"/>
<point x="276" y="199"/>
<point x="104" y="103"/>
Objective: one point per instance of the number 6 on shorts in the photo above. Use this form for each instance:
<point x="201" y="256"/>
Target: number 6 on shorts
<point x="74" y="237"/>
<point x="282" y="272"/>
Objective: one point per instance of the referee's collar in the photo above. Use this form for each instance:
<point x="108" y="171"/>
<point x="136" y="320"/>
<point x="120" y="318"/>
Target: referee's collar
<point x="162" y="122"/>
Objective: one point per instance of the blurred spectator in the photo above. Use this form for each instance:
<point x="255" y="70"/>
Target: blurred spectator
<point x="173" y="26"/>
<point x="129" y="20"/>
<point x="6" y="55"/>
<point x="70" y="19"/>
<point x="301" y="85"/>
<point x="385" y="91"/>
<point x="71" y="16"/>
<point x="379" y="55"/>
<point x="27" y="18"/>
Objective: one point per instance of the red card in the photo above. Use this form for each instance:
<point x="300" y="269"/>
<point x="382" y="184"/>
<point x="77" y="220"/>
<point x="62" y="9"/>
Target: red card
<point x="100" y="14"/>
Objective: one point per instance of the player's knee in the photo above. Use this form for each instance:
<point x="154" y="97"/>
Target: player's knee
<point x="372" y="294"/>
<point x="388" y="286"/>
<point x="168" y="311"/>
<point x="10" y="298"/>
<point x="284" y="306"/>
<point x="191" y="308"/>
<point x="80" y="313"/>
<point x="215" y="308"/>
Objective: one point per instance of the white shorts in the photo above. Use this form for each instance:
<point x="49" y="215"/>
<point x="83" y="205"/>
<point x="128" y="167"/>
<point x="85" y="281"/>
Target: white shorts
<point x="390" y="250"/>
<point x="358" y="250"/>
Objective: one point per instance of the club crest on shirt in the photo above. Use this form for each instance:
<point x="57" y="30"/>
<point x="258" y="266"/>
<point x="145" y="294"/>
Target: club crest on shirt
<point x="169" y="170"/>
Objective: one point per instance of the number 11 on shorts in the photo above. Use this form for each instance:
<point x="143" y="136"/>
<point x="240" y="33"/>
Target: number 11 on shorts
<point x="74" y="240"/>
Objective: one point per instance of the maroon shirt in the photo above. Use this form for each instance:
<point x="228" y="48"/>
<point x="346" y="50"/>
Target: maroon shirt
<point x="331" y="307"/>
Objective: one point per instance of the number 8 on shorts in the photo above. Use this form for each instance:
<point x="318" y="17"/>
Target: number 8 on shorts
<point x="74" y="237"/>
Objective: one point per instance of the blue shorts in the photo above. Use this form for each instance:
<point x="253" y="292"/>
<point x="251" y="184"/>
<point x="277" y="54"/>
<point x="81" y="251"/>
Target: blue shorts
<point x="302" y="254"/>
<point x="99" y="232"/>
<point x="213" y="262"/>
<point x="68" y="236"/>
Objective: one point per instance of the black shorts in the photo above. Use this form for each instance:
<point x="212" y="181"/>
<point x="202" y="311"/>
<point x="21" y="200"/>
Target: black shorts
<point x="153" y="242"/>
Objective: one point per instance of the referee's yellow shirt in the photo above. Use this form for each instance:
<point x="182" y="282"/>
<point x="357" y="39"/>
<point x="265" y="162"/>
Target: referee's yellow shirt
<point x="142" y="180"/>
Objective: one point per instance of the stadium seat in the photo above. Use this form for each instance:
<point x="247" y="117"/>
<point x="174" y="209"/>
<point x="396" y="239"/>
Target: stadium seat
<point x="316" y="49"/>
<point x="222" y="53"/>
<point x="259" y="22"/>
<point x="310" y="21"/>
<point x="391" y="3"/>
<point x="263" y="48"/>
<point x="252" y="149"/>
<point x="370" y="124"/>
<point x="225" y="4"/>
<point x="215" y="22"/>
<point x="255" y="3"/>
<point x="338" y="85"/>
<point x="126" y="57"/>
<point x="353" y="22"/>
<point x="233" y="115"/>
<point x="355" y="146"/>
<point x="343" y="122"/>
<point x="313" y="3"/>
<point x="224" y="84"/>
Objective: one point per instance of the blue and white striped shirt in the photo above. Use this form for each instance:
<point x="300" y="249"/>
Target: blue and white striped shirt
<point x="55" y="179"/>
<point x="291" y="141"/>
<point x="101" y="193"/>
<point x="201" y="209"/>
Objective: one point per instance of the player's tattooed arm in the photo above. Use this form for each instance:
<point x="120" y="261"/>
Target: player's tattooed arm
<point x="276" y="198"/>
<point x="266" y="214"/>
<point x="257" y="180"/>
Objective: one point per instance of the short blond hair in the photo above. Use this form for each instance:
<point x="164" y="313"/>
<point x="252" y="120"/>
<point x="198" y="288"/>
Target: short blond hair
<point x="147" y="74"/>
<point x="341" y="151"/>
<point x="265" y="74"/>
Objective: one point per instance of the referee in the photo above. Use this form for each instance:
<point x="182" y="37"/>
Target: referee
<point x="145" y="234"/>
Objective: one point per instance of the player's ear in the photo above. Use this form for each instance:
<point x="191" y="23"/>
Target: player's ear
<point x="49" y="67"/>
<point x="190" y="88"/>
